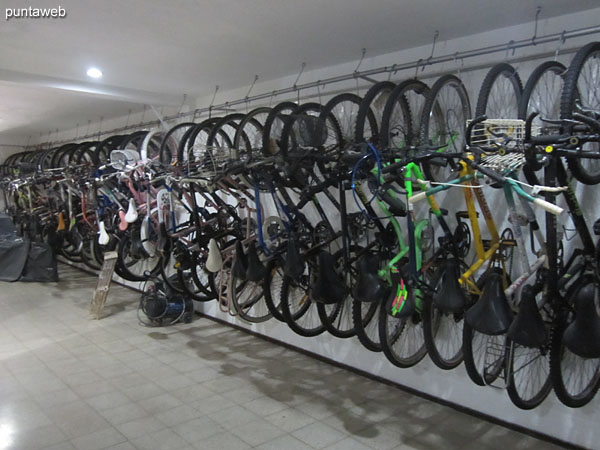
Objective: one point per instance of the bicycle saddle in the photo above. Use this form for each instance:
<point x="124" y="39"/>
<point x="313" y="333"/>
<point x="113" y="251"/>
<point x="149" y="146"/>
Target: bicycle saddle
<point x="294" y="263"/>
<point x="256" y="270"/>
<point x="528" y="327"/>
<point x="328" y="288"/>
<point x="240" y="266"/>
<point x="103" y="237"/>
<point x="491" y="314"/>
<point x="582" y="336"/>
<point x="214" y="261"/>
<point x="448" y="295"/>
<point x="369" y="287"/>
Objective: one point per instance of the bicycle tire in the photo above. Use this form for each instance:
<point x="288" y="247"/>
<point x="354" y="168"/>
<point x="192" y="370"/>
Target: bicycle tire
<point x="248" y="297"/>
<point x="125" y="265"/>
<point x="272" y="288"/>
<point x="447" y="124"/>
<point x="563" y="360"/>
<point x="165" y="153"/>
<point x="270" y="144"/>
<point x="402" y="340"/>
<point x="337" y="317"/>
<point x="366" y="114"/>
<point x="304" y="319"/>
<point x="434" y="323"/>
<point x="389" y="126"/>
<point x="470" y="335"/>
<point x="568" y="105"/>
<point x="365" y="316"/>
<point x="485" y="92"/>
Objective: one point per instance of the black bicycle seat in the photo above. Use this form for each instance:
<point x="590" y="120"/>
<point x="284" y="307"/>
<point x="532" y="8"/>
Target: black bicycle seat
<point x="448" y="295"/>
<point x="491" y="314"/>
<point x="582" y="336"/>
<point x="294" y="263"/>
<point x="241" y="262"/>
<point x="328" y="287"/>
<point x="369" y="287"/>
<point x="256" y="270"/>
<point x="528" y="328"/>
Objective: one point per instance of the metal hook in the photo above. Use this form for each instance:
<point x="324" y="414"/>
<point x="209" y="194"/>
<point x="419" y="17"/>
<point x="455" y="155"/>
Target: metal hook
<point x="251" y="86"/>
<point x="392" y="71"/>
<point x="510" y="46"/>
<point x="272" y="97"/>
<point x="537" y="15"/>
<point x="99" y="127"/>
<point x="212" y="102"/>
<point x="462" y="64"/>
<point x="143" y="116"/>
<point x="561" y="42"/>
<point x="417" y="67"/>
<point x="182" y="103"/>
<point x="128" y="116"/>
<point x="319" y="92"/>
<point x="299" y="75"/>
<point x="435" y="38"/>
<point x="364" y="52"/>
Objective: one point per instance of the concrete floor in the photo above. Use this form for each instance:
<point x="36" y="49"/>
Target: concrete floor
<point x="68" y="382"/>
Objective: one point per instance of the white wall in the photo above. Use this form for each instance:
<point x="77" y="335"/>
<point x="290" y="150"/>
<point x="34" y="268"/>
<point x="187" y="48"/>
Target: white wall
<point x="551" y="418"/>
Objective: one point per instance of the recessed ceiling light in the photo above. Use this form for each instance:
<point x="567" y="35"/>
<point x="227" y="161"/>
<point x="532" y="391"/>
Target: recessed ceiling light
<point x="94" y="72"/>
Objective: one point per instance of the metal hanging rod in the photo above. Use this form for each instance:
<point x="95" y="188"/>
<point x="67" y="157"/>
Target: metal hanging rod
<point x="511" y="46"/>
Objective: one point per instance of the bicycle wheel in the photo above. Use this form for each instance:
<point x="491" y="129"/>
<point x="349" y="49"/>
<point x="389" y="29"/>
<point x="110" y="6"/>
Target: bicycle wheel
<point x="500" y="93"/>
<point x="401" y="114"/>
<point x="167" y="150"/>
<point x="370" y="113"/>
<point x="483" y="354"/>
<point x="528" y="380"/>
<point x="344" y="109"/>
<point x="297" y="308"/>
<point x="248" y="295"/>
<point x="402" y="339"/>
<point x="365" y="317"/>
<point x="274" y="125"/>
<point x="575" y="379"/>
<point x="445" y="114"/>
<point x="527" y="367"/>
<point x="443" y="330"/>
<point x="580" y="93"/>
<point x="272" y="288"/>
<point x="133" y="263"/>
<point x="247" y="142"/>
<point x="337" y="317"/>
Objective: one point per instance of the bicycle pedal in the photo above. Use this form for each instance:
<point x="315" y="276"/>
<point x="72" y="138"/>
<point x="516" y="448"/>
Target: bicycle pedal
<point x="464" y="214"/>
<point x="508" y="243"/>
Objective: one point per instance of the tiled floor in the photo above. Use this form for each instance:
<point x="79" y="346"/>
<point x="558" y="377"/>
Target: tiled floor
<point x="67" y="382"/>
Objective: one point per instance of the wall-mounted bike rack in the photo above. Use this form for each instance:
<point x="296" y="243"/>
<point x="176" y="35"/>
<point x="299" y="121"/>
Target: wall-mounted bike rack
<point x="421" y="63"/>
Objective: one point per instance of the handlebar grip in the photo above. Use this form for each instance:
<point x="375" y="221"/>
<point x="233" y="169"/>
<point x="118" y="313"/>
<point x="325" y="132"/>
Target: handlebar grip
<point x="544" y="140"/>
<point x="550" y="207"/>
<point x="417" y="197"/>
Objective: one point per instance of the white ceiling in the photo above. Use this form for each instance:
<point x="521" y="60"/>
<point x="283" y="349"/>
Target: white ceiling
<point x="155" y="50"/>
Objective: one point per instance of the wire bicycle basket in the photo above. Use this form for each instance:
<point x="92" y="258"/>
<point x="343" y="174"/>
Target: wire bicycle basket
<point x="508" y="133"/>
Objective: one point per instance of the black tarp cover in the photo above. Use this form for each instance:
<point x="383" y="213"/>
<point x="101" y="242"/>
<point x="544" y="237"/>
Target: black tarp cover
<point x="23" y="260"/>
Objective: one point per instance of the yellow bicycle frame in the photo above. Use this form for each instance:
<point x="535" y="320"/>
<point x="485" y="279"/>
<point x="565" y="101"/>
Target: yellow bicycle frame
<point x="482" y="255"/>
